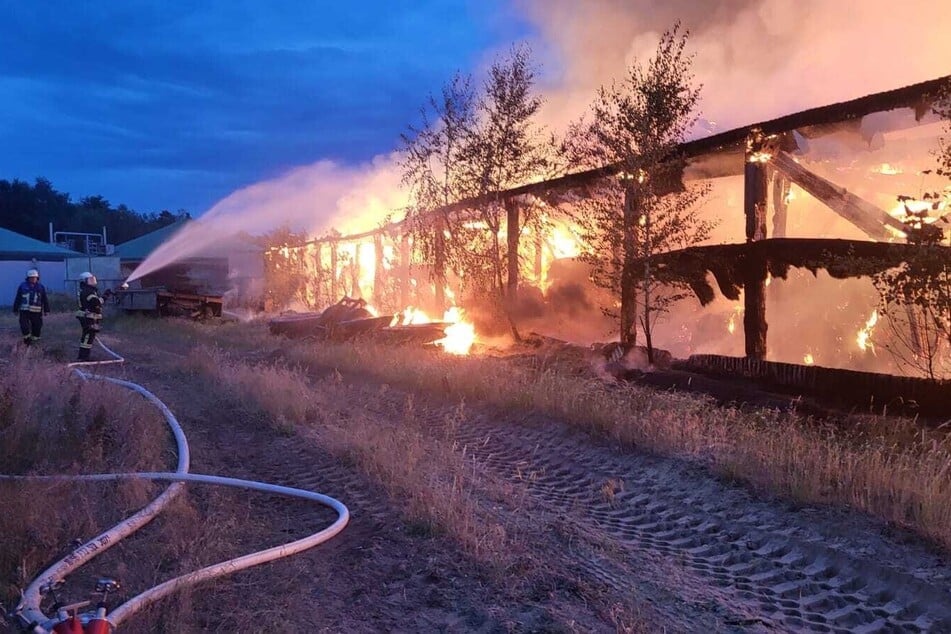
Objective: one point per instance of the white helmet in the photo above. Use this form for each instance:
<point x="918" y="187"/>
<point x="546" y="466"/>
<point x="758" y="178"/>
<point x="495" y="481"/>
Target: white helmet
<point x="91" y="280"/>
<point x="85" y="276"/>
<point x="32" y="273"/>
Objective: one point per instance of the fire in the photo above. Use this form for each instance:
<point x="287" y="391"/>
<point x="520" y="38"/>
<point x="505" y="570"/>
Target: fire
<point x="731" y="325"/>
<point x="560" y="242"/>
<point x="864" y="336"/>
<point x="459" y="336"/>
<point x="887" y="168"/>
<point x="409" y="316"/>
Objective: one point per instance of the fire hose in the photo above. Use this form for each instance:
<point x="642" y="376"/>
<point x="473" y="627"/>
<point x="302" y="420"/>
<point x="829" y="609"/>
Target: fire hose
<point x="28" y="611"/>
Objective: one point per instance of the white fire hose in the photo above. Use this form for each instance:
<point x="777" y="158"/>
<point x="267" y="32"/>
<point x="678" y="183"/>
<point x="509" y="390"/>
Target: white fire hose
<point x="28" y="610"/>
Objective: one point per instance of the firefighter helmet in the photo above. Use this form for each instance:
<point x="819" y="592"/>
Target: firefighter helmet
<point x="32" y="273"/>
<point x="85" y="276"/>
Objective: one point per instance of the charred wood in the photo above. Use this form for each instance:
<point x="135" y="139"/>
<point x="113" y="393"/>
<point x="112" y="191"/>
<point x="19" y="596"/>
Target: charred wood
<point x="861" y="213"/>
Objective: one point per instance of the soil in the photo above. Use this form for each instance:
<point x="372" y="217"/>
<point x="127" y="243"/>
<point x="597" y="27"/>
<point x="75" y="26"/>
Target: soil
<point x="619" y="540"/>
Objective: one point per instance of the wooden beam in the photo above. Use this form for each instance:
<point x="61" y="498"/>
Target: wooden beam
<point x="780" y="204"/>
<point x="333" y="273"/>
<point x="355" y="290"/>
<point x="378" y="279"/>
<point x="512" y="230"/>
<point x="319" y="272"/>
<point x="869" y="218"/>
<point x="754" y="307"/>
<point x="439" y="261"/>
<point x="405" y="255"/>
<point x="754" y="200"/>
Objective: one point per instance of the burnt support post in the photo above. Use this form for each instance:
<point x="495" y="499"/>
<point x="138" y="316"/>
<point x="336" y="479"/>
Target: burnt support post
<point x="781" y="187"/>
<point x="537" y="253"/>
<point x="405" y="255"/>
<point x="512" y="231"/>
<point x="378" y="279"/>
<point x="755" y="198"/>
<point x="754" y="307"/>
<point x="355" y="289"/>
<point x="439" y="262"/>
<point x="318" y="273"/>
<point x="333" y="272"/>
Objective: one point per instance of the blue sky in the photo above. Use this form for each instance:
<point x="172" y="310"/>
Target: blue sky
<point x="161" y="105"/>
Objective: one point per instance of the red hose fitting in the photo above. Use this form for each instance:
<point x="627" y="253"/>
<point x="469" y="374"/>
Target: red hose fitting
<point x="99" y="626"/>
<point x="71" y="625"/>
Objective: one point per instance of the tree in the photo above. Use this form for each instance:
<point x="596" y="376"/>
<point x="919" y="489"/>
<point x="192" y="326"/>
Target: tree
<point x="504" y="148"/>
<point x="915" y="298"/>
<point x="636" y="127"/>
<point x="432" y="170"/>
<point x="29" y="209"/>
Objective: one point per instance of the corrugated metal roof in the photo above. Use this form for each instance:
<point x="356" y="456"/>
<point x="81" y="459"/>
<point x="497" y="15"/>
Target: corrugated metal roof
<point x="15" y="246"/>
<point x="139" y="248"/>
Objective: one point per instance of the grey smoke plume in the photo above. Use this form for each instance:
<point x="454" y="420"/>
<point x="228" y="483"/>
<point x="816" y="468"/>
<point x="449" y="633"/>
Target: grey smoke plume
<point x="756" y="59"/>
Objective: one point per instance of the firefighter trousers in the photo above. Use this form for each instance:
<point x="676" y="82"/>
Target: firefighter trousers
<point x="90" y="328"/>
<point x="31" y="324"/>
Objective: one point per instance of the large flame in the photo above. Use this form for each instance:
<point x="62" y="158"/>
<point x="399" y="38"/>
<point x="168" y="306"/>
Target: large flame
<point x="864" y="336"/>
<point x="460" y="335"/>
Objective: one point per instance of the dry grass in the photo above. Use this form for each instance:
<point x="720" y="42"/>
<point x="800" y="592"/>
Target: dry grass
<point x="886" y="468"/>
<point x="51" y="422"/>
<point x="441" y="491"/>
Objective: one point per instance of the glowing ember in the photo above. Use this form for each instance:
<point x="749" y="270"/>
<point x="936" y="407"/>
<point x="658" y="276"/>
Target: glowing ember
<point x="808" y="359"/>
<point x="886" y="168"/>
<point x="409" y="316"/>
<point x="731" y="325"/>
<point x="864" y="336"/>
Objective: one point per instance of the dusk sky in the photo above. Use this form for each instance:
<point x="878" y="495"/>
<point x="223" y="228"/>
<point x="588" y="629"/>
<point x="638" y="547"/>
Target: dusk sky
<point x="161" y="105"/>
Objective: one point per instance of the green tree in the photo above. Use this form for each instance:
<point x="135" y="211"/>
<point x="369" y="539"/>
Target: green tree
<point x="432" y="170"/>
<point x="504" y="149"/>
<point x="643" y="210"/>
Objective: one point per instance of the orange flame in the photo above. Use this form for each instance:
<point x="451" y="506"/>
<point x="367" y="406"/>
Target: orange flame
<point x="864" y="336"/>
<point x="459" y="336"/>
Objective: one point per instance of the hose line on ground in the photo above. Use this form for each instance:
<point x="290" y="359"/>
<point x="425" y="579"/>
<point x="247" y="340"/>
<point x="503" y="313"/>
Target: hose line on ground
<point x="28" y="610"/>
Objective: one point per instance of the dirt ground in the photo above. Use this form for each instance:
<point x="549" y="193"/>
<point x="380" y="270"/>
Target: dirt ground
<point x="609" y="539"/>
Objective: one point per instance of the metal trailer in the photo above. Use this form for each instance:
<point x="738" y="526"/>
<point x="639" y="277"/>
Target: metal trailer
<point x="169" y="303"/>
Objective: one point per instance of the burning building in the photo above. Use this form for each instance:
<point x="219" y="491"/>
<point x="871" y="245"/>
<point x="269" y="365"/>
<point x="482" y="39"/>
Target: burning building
<point x="811" y="206"/>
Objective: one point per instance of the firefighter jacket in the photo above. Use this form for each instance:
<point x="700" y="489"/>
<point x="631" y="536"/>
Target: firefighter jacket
<point x="90" y="303"/>
<point x="31" y="298"/>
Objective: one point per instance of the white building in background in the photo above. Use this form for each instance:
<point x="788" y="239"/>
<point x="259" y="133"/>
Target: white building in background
<point x="19" y="253"/>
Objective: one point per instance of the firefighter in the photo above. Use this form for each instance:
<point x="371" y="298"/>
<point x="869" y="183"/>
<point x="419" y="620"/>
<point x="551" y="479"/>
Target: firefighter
<point x="89" y="314"/>
<point x="31" y="303"/>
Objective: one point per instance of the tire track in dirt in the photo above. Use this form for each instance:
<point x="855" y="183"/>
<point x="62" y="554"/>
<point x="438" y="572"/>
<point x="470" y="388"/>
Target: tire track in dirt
<point x="754" y="561"/>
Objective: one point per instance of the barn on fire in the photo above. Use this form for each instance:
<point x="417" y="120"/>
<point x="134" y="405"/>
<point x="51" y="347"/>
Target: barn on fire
<point x="810" y="205"/>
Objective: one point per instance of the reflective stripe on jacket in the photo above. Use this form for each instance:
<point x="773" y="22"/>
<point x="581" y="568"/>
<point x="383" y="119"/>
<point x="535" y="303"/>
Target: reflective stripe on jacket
<point x="31" y="298"/>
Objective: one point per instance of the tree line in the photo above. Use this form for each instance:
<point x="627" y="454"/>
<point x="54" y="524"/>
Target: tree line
<point x="28" y="209"/>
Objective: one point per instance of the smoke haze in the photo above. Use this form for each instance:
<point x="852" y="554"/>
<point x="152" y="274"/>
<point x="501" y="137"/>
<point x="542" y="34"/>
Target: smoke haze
<point x="756" y="59"/>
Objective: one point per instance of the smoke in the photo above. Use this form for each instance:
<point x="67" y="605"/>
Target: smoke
<point x="312" y="199"/>
<point x="756" y="59"/>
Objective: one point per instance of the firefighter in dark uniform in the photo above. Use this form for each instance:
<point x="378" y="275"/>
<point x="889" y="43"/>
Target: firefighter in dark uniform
<point x="31" y="303"/>
<point x="89" y="314"/>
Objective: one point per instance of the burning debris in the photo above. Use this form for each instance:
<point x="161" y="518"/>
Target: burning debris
<point x="351" y="319"/>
